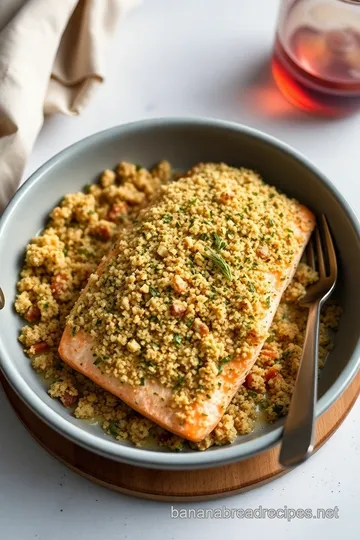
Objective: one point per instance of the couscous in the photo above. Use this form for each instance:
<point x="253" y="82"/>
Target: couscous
<point x="80" y="233"/>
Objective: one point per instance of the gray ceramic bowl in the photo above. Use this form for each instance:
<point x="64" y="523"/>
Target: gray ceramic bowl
<point x="183" y="143"/>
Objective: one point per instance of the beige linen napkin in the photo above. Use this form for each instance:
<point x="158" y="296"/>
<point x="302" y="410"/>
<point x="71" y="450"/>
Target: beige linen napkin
<point x="51" y="60"/>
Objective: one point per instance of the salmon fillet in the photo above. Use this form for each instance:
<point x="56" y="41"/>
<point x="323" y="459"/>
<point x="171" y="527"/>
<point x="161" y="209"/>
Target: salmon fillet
<point x="219" y="191"/>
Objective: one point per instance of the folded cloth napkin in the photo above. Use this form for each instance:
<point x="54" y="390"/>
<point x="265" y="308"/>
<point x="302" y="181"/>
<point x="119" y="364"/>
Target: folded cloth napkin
<point x="51" y="60"/>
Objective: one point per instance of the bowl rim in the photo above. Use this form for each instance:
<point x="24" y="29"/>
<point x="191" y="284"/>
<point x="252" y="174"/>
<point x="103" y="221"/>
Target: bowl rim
<point x="145" y="457"/>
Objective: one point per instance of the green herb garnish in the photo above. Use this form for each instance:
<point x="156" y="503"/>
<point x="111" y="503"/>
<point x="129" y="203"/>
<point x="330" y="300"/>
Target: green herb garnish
<point x="177" y="339"/>
<point x="219" y="263"/>
<point x="278" y="409"/>
<point x="153" y="291"/>
<point x="219" y="243"/>
<point x="87" y="188"/>
<point x="73" y="331"/>
<point x="97" y="361"/>
<point x="252" y="394"/>
<point x="138" y="167"/>
<point x="113" y="429"/>
<point x="268" y="300"/>
<point x="167" y="219"/>
<point x="222" y="362"/>
<point x="251" y="287"/>
<point x="179" y="383"/>
<point x="142" y="381"/>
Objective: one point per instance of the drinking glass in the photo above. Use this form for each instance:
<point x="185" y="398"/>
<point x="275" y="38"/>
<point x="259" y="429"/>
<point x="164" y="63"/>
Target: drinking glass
<point x="316" y="59"/>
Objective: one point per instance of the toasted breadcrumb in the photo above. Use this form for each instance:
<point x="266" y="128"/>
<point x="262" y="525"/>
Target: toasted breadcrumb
<point x="81" y="230"/>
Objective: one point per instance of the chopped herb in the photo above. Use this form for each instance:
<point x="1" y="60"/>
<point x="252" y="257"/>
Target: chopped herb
<point x="65" y="251"/>
<point x="264" y="404"/>
<point x="87" y="188"/>
<point x="252" y="394"/>
<point x="281" y="214"/>
<point x="177" y="339"/>
<point x="86" y="252"/>
<point x="46" y="305"/>
<point x="167" y="219"/>
<point x="272" y="195"/>
<point x="278" y="409"/>
<point x="271" y="222"/>
<point x="153" y="291"/>
<point x="179" y="448"/>
<point x="289" y="230"/>
<point x="179" y="383"/>
<point x="219" y="263"/>
<point x="222" y="362"/>
<point x="98" y="322"/>
<point x="142" y="382"/>
<point x="138" y="167"/>
<point x="73" y="331"/>
<point x="271" y="338"/>
<point x="204" y="236"/>
<point x="90" y="212"/>
<point x="251" y="287"/>
<point x="189" y="322"/>
<point x="218" y="242"/>
<point x="268" y="300"/>
<point x="113" y="429"/>
<point x="147" y="363"/>
<point x="97" y="361"/>
<point x="154" y="318"/>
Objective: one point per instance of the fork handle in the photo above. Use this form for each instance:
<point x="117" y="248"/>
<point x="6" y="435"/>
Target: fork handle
<point x="298" y="435"/>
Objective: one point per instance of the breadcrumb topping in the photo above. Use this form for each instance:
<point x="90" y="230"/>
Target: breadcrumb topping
<point x="196" y="271"/>
<point x="189" y="293"/>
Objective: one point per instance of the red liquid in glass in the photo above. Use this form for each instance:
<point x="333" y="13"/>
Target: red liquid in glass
<point x="322" y="75"/>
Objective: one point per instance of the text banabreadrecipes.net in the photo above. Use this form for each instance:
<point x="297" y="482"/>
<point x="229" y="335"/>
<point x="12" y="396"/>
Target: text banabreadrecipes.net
<point x="259" y="512"/>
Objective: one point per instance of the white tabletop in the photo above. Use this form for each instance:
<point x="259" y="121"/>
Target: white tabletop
<point x="204" y="58"/>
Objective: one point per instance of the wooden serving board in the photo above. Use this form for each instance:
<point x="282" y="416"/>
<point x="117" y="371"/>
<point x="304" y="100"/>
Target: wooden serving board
<point x="175" y="485"/>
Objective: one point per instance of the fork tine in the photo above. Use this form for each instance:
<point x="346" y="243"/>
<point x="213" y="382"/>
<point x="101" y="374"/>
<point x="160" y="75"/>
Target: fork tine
<point x="310" y="254"/>
<point x="330" y="248"/>
<point x="320" y="254"/>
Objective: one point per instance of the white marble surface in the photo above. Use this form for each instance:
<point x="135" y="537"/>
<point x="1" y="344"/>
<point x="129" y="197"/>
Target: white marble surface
<point x="209" y="58"/>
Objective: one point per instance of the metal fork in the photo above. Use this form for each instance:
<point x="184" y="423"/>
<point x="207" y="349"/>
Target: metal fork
<point x="298" y="436"/>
